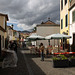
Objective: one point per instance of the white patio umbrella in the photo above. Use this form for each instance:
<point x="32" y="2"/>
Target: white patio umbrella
<point x="35" y="37"/>
<point x="57" y="36"/>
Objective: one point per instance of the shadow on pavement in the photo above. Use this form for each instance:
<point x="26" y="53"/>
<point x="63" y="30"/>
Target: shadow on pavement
<point x="21" y="68"/>
<point x="48" y="60"/>
<point x="34" y="67"/>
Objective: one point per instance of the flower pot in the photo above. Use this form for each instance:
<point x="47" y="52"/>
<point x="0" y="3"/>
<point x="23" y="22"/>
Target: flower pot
<point x="61" y="63"/>
<point x="72" y="62"/>
<point x="0" y="64"/>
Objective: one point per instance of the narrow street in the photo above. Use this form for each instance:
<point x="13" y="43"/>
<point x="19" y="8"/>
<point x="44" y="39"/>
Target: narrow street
<point x="21" y="68"/>
<point x="30" y="64"/>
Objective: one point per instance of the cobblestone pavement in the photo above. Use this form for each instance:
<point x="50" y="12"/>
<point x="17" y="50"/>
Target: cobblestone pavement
<point x="21" y="68"/>
<point x="37" y="67"/>
<point x="30" y="64"/>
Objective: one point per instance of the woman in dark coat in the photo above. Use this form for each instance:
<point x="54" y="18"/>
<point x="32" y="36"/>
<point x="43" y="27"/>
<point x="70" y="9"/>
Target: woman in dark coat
<point x="15" y="46"/>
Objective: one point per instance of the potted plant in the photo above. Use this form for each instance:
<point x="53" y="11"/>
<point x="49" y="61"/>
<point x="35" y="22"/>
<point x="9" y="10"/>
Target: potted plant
<point x="72" y="61"/>
<point x="60" y="61"/>
<point x="1" y="60"/>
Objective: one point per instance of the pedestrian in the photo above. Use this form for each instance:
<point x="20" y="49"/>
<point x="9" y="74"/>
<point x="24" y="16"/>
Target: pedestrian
<point x="15" y="46"/>
<point x="10" y="47"/>
<point x="47" y="52"/>
<point x="42" y="51"/>
<point x="25" y="44"/>
<point x="36" y="49"/>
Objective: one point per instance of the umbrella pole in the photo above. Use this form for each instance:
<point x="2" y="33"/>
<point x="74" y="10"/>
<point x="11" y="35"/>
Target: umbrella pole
<point x="54" y="42"/>
<point x="49" y="42"/>
<point x="63" y="43"/>
<point x="58" y="45"/>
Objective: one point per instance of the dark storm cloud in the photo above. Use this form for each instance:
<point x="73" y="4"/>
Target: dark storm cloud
<point x="31" y="12"/>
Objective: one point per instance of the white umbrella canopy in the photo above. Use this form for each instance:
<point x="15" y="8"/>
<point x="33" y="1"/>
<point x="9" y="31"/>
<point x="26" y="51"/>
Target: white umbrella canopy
<point x="35" y="37"/>
<point x="57" y="36"/>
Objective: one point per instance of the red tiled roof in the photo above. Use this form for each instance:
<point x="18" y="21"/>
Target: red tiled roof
<point x="49" y="22"/>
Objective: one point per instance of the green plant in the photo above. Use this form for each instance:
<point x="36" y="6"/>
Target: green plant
<point x="60" y="57"/>
<point x="55" y="58"/>
<point x="72" y="57"/>
<point x="63" y="57"/>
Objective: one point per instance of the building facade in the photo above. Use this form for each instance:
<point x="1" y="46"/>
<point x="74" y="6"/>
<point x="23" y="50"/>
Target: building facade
<point x="15" y="35"/>
<point x="64" y="17"/>
<point x="45" y="29"/>
<point x="3" y="27"/>
<point x="9" y="33"/>
<point x="72" y="22"/>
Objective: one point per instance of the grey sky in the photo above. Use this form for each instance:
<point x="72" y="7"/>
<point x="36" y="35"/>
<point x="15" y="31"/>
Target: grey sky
<point x="28" y="13"/>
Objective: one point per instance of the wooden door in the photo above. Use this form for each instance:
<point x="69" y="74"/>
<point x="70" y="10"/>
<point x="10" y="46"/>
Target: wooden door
<point x="0" y="45"/>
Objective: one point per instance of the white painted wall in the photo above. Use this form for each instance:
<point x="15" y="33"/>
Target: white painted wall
<point x="45" y="31"/>
<point x="72" y="26"/>
<point x="10" y="34"/>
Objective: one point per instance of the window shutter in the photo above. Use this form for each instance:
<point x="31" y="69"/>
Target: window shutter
<point x="66" y="20"/>
<point x="73" y="16"/>
<point x="61" y="23"/>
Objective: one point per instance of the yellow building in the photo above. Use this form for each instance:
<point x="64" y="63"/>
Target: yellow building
<point x="3" y="26"/>
<point x="64" y="16"/>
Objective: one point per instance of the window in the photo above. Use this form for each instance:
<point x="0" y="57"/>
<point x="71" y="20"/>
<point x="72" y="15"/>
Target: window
<point x="73" y="16"/>
<point x="65" y="2"/>
<point x="66" y="20"/>
<point x="61" y="4"/>
<point x="2" y="41"/>
<point x="4" y="22"/>
<point x="73" y="38"/>
<point x="61" y="23"/>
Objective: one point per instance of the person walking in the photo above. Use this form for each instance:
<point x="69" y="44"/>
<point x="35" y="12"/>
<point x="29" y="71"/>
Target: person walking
<point x="42" y="51"/>
<point x="15" y="46"/>
<point x="10" y="45"/>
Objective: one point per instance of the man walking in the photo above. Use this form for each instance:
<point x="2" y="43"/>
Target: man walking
<point x="42" y="51"/>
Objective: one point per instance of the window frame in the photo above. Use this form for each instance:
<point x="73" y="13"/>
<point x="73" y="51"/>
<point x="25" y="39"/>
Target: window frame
<point x="73" y="19"/>
<point x="61" y="23"/>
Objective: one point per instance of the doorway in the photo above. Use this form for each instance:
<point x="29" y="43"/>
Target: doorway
<point x="0" y="45"/>
<point x="73" y="39"/>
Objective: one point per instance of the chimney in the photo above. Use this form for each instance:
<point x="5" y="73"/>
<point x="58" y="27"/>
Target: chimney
<point x="12" y="26"/>
<point x="49" y="19"/>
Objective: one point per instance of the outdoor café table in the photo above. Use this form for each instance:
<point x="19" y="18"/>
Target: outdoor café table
<point x="67" y="54"/>
<point x="10" y="60"/>
<point x="58" y="53"/>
